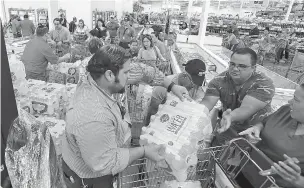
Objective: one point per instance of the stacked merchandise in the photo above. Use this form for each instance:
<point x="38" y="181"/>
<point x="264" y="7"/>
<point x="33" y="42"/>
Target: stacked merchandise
<point x="64" y="72"/>
<point x="46" y="101"/>
<point x="180" y="126"/>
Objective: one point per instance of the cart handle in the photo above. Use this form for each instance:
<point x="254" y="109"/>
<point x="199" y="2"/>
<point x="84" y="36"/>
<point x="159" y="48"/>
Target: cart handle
<point x="235" y="140"/>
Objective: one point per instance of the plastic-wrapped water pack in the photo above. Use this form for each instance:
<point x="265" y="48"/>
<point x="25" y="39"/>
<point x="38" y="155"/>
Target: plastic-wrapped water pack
<point x="18" y="76"/>
<point x="56" y="128"/>
<point x="49" y="100"/>
<point x="180" y="126"/>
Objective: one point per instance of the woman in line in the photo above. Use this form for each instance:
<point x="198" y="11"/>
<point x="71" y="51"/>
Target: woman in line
<point x="81" y="32"/>
<point x="149" y="51"/>
<point x="100" y="30"/>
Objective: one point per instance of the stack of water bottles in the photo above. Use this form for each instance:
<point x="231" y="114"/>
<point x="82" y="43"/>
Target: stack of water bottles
<point x="180" y="126"/>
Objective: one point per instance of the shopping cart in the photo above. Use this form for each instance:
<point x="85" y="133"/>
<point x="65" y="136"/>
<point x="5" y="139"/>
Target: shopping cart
<point x="215" y="168"/>
<point x="164" y="66"/>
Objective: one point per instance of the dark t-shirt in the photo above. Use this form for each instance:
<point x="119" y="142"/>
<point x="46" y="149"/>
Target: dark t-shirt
<point x="97" y="32"/>
<point x="278" y="137"/>
<point x="258" y="86"/>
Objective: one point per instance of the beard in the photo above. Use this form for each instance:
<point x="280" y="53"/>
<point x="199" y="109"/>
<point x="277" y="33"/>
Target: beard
<point x="119" y="88"/>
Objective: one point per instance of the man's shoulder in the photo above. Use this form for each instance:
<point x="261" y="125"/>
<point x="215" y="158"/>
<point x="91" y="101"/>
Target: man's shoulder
<point x="222" y="77"/>
<point x="261" y="78"/>
<point x="85" y="94"/>
<point x="282" y="111"/>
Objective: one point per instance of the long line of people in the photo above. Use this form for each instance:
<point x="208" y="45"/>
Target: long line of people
<point x="246" y="96"/>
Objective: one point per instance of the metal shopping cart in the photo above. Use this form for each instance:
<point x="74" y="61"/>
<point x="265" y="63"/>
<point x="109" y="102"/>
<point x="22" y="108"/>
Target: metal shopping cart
<point x="215" y="168"/>
<point x="164" y="66"/>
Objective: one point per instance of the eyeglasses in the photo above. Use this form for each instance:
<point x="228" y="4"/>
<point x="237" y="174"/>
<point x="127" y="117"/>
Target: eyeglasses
<point x="238" y="66"/>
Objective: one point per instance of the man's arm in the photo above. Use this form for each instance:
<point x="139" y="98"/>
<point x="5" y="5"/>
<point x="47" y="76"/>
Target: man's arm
<point x="258" y="96"/>
<point x="210" y="101"/>
<point x="249" y="107"/>
<point x="212" y="94"/>
<point x="52" y="58"/>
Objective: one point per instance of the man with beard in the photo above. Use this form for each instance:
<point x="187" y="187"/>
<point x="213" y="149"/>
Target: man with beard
<point x="245" y="95"/>
<point x="95" y="146"/>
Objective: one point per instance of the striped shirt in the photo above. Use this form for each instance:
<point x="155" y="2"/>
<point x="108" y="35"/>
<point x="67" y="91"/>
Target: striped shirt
<point x="95" y="132"/>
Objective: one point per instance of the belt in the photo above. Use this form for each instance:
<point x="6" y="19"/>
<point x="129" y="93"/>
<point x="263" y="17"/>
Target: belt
<point x="72" y="180"/>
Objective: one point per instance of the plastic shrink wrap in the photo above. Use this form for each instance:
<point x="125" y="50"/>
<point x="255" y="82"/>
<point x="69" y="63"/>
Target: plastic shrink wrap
<point x="64" y="72"/>
<point x="30" y="154"/>
<point x="71" y="71"/>
<point x="70" y="89"/>
<point x="56" y="128"/>
<point x="25" y="104"/>
<point x="175" y="184"/>
<point x="179" y="126"/>
<point x="18" y="76"/>
<point x="139" y="97"/>
<point x="49" y="100"/>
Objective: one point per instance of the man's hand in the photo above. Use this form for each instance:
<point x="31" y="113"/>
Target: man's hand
<point x="155" y="152"/>
<point x="253" y="133"/>
<point x="289" y="170"/>
<point x="225" y="122"/>
<point x="181" y="92"/>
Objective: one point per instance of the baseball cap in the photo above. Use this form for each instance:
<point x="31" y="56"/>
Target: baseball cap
<point x="196" y="68"/>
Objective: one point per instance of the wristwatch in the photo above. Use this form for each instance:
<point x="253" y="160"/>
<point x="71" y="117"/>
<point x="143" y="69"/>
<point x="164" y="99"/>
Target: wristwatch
<point x="170" y="87"/>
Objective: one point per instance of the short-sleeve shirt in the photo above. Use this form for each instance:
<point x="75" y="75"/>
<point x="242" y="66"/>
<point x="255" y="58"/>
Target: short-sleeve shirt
<point x="60" y="35"/>
<point x="278" y="138"/>
<point x="36" y="55"/>
<point x="258" y="86"/>
<point x="27" y="27"/>
<point x="126" y="34"/>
